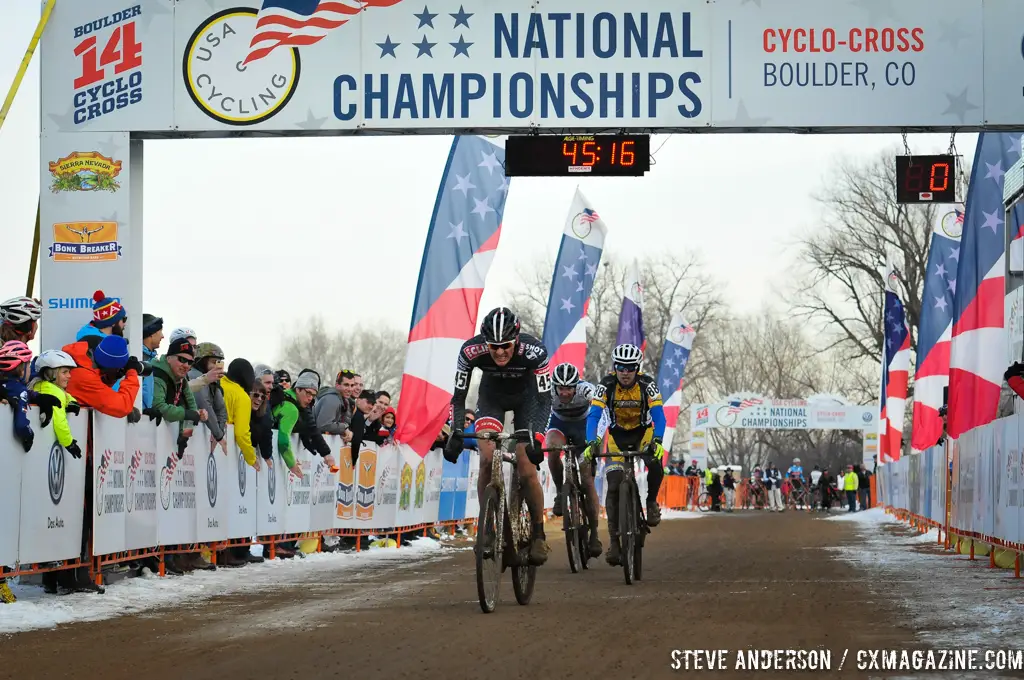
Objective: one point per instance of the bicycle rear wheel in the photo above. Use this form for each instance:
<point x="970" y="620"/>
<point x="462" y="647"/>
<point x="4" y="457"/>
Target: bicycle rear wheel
<point x="488" y="566"/>
<point x="704" y="502"/>
<point x="524" y="574"/>
<point x="571" y="525"/>
<point x="628" y="528"/>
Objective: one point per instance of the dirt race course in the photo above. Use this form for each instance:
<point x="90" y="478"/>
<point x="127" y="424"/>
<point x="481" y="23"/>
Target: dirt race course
<point x="732" y="581"/>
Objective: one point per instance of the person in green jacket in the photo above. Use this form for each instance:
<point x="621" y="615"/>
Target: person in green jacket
<point x="172" y="399"/>
<point x="850" y="485"/>
<point x="286" y="417"/>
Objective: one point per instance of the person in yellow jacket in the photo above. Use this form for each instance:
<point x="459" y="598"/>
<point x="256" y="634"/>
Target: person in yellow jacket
<point x="850" y="484"/>
<point x="239" y="377"/>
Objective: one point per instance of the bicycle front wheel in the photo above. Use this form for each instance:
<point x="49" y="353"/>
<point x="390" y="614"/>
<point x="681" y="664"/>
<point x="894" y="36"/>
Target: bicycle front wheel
<point x="524" y="574"/>
<point x="628" y="528"/>
<point x="488" y="557"/>
<point x="571" y="524"/>
<point x="704" y="502"/>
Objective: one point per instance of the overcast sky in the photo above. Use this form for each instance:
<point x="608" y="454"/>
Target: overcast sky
<point x="271" y="232"/>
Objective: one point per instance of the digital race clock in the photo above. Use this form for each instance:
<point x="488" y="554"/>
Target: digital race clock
<point x="577" y="155"/>
<point x="926" y="179"/>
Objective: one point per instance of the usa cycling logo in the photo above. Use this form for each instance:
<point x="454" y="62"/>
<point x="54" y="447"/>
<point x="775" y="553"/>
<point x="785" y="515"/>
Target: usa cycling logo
<point x="211" y="480"/>
<point x="55" y="473"/>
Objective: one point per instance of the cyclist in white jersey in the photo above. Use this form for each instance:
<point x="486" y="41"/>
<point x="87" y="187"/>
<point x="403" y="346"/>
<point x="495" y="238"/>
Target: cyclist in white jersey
<point x="567" y="424"/>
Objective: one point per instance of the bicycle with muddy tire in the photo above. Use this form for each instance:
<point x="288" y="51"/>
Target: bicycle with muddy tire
<point x="575" y="521"/>
<point x="633" y="528"/>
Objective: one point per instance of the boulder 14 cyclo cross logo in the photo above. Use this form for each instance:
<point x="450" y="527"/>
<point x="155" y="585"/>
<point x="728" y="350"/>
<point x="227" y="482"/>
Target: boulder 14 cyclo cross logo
<point x="110" y="65"/>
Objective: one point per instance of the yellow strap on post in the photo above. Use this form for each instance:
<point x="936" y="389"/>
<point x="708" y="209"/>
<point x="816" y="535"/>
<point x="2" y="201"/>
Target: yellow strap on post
<point x="43" y="19"/>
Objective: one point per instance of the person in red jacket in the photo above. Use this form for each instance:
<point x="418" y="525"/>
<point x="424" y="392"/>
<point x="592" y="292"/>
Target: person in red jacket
<point x="98" y="369"/>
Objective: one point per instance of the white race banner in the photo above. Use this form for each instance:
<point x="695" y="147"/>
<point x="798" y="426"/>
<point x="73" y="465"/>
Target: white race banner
<point x="241" y="491"/>
<point x="52" y="495"/>
<point x="177" y="480"/>
<point x="141" y="498"/>
<point x="322" y="492"/>
<point x="213" y="493"/>
<point x="12" y="458"/>
<point x="109" y="472"/>
<point x="472" y="495"/>
<point x="271" y="487"/>
<point x="433" y="462"/>
<point x="411" y="486"/>
<point x="297" y="496"/>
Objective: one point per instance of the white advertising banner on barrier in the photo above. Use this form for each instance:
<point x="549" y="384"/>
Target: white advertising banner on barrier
<point x="323" y="491"/>
<point x="141" y="495"/>
<point x="52" y="495"/>
<point x="177" y="479"/>
<point x="472" y="495"/>
<point x="159" y="65"/>
<point x="213" y="498"/>
<point x="241" y="490"/>
<point x="412" y="476"/>
<point x="386" y="492"/>
<point x="109" y="475"/>
<point x="297" y="495"/>
<point x="271" y="489"/>
<point x="12" y="457"/>
<point x="433" y="463"/>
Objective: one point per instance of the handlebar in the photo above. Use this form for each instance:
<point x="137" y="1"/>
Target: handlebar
<point x="566" y="447"/>
<point x="521" y="436"/>
<point x="620" y="454"/>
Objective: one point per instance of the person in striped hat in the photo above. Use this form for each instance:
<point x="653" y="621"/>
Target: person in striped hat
<point x="108" y="318"/>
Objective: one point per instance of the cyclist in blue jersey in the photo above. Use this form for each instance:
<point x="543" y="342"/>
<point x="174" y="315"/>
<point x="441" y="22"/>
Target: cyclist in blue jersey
<point x="795" y="474"/>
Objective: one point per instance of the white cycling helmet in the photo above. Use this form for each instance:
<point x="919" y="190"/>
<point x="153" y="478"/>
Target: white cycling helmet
<point x="627" y="354"/>
<point x="55" y="358"/>
<point x="182" y="332"/>
<point x="796" y="461"/>
<point x="19" y="310"/>
<point x="565" y="375"/>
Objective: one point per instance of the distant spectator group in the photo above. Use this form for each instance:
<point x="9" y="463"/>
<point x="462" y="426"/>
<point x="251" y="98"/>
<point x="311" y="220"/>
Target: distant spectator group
<point x="186" y="385"/>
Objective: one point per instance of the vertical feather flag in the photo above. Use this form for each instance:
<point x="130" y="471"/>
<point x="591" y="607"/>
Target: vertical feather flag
<point x="895" y="370"/>
<point x="463" y="235"/>
<point x="936" y="327"/>
<point x="576" y="268"/>
<point x="674" y="356"/>
<point x="631" y="318"/>
<point x="978" y="350"/>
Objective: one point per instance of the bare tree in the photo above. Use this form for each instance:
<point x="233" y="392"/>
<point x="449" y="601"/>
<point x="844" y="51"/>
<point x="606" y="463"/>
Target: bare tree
<point x="377" y="352"/>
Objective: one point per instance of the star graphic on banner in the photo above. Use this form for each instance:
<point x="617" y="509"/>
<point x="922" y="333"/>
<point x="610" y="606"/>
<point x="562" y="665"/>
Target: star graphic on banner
<point x="959" y="105"/>
<point x="667" y="383"/>
<point x="461" y="47"/>
<point x="66" y="121"/>
<point x="567" y="304"/>
<point x="156" y="9"/>
<point x="583" y="255"/>
<point x="425" y="17"/>
<point x="503" y="187"/>
<point x="490" y="161"/>
<point x="992" y="220"/>
<point x="463" y="185"/>
<point x="579" y="287"/>
<point x="312" y="122"/>
<point x="951" y="284"/>
<point x="388" y="47"/>
<point x="952" y="33"/>
<point x="669" y="362"/>
<point x="940" y="303"/>
<point x="1014" y="148"/>
<point x="744" y="119"/>
<point x="940" y="270"/>
<point x="109" y="148"/>
<point x="995" y="172"/>
<point x="954" y="254"/>
<point x="878" y="10"/>
<point x="591" y="270"/>
<point x="679" y="352"/>
<point x="424" y="47"/>
<point x="627" y="325"/>
<point x="482" y="208"/>
<point x="676" y="371"/>
<point x="458" y="232"/>
<point x="890" y="317"/>
<point x="461" y="17"/>
<point x="111" y="218"/>
<point x="570" y="272"/>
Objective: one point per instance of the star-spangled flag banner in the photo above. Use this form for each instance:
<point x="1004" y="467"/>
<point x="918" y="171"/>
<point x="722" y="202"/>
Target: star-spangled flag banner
<point x="463" y="235"/>
<point x="936" y="327"/>
<point x="296" y="23"/>
<point x="631" y="318"/>
<point x="576" y="267"/>
<point x="674" y="355"/>
<point x="739" y="406"/>
<point x="978" y="349"/>
<point x="895" y="370"/>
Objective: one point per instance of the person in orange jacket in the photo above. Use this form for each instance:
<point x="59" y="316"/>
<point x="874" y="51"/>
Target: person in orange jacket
<point x="91" y="383"/>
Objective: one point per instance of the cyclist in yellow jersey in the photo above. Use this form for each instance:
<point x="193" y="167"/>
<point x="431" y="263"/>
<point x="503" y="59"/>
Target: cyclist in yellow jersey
<point x="636" y="423"/>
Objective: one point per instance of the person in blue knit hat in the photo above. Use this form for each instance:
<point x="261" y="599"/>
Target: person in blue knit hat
<point x="152" y="336"/>
<point x="108" y="318"/>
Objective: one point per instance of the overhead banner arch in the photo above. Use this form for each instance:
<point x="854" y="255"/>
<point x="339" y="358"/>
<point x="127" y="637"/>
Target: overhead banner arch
<point x="752" y="411"/>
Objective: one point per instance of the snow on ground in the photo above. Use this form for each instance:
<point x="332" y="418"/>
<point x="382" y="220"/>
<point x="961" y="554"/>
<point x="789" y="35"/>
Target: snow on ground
<point x="949" y="601"/>
<point x="34" y="609"/>
<point x="667" y="513"/>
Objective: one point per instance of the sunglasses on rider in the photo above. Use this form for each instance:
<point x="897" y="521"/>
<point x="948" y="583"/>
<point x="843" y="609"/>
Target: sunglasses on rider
<point x="629" y="368"/>
<point x="502" y="346"/>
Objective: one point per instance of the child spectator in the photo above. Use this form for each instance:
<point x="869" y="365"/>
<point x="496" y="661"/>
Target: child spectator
<point x="15" y="357"/>
<point x="19" y="319"/>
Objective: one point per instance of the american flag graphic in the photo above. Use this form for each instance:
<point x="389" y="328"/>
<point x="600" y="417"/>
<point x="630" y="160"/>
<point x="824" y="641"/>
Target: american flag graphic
<point x="895" y="374"/>
<point x="576" y="269"/>
<point x="978" y="351"/>
<point x="297" y="23"/>
<point x="738" y="406"/>
<point x="675" y="354"/>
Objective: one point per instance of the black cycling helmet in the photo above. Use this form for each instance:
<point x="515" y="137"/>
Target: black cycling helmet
<point x="501" y="325"/>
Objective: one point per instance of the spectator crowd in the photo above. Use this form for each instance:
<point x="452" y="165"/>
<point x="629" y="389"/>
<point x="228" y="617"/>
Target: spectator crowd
<point x="187" y="383"/>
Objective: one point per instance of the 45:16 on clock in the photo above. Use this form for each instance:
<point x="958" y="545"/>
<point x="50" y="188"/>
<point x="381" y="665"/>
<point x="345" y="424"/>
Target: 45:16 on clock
<point x="568" y="155"/>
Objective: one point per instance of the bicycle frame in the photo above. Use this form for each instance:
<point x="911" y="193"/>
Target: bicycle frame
<point x="508" y="500"/>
